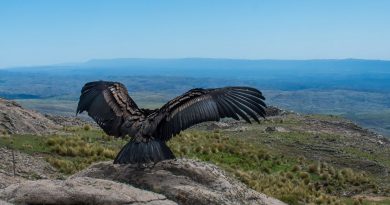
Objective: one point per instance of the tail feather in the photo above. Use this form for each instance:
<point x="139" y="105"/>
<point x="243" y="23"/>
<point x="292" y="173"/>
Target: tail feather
<point x="144" y="152"/>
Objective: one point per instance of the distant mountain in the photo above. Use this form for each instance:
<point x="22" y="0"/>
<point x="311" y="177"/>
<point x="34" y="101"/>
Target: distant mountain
<point x="355" y="74"/>
<point x="355" y="88"/>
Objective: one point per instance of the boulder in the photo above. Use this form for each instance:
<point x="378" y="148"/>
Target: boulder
<point x="80" y="190"/>
<point x="184" y="181"/>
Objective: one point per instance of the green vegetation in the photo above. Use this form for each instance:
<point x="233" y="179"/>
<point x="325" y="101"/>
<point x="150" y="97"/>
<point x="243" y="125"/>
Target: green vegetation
<point x="71" y="152"/>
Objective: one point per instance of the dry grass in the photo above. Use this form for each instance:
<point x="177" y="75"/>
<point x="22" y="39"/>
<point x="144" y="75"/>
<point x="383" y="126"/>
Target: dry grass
<point x="293" y="180"/>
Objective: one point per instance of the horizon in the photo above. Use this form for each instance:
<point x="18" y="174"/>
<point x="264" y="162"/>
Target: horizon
<point x="46" y="33"/>
<point x="184" y="58"/>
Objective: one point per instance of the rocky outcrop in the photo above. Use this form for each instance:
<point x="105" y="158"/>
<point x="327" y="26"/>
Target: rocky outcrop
<point x="80" y="190"/>
<point x="16" y="120"/>
<point x="180" y="181"/>
<point x="183" y="181"/>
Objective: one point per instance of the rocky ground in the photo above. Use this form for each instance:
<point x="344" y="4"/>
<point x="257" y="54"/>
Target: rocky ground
<point x="27" y="167"/>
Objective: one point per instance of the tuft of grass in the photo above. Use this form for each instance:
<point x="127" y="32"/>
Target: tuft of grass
<point x="313" y="168"/>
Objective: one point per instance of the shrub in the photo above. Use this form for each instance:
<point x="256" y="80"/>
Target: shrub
<point x="109" y="153"/>
<point x="295" y="168"/>
<point x="324" y="176"/>
<point x="313" y="168"/>
<point x="184" y="150"/>
<point x="85" y="151"/>
<point x="62" y="150"/>
<point x="304" y="175"/>
<point x="51" y="141"/>
<point x="87" y="127"/>
<point x="198" y="149"/>
<point x="266" y="170"/>
<point x="98" y="150"/>
<point x="72" y="152"/>
<point x="289" y="175"/>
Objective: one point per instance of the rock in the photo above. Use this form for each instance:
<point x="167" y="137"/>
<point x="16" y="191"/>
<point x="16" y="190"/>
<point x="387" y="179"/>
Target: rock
<point x="239" y="129"/>
<point x="274" y="111"/>
<point x="276" y="129"/>
<point x="270" y="129"/>
<point x="281" y="129"/>
<point x="183" y="181"/>
<point x="80" y="190"/>
<point x="6" y="180"/>
<point x="16" y="120"/>
<point x="4" y="203"/>
<point x="217" y="125"/>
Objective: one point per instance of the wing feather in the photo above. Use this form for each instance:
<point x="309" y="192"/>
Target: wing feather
<point x="237" y="109"/>
<point x="243" y="105"/>
<point x="108" y="103"/>
<point x="200" y="105"/>
<point x="251" y="104"/>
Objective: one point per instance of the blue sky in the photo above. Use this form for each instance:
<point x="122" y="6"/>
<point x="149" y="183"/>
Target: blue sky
<point x="49" y="32"/>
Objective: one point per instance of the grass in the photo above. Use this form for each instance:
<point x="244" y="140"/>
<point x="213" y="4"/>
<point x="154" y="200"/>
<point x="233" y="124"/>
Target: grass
<point x="372" y="155"/>
<point x="26" y="143"/>
<point x="363" y="201"/>
<point x="71" y="152"/>
<point x="291" y="179"/>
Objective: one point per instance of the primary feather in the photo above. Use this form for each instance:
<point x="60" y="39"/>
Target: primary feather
<point x="109" y="104"/>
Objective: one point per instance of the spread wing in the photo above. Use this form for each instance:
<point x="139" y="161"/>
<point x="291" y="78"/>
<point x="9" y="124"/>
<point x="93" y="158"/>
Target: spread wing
<point x="200" y="105"/>
<point x="108" y="103"/>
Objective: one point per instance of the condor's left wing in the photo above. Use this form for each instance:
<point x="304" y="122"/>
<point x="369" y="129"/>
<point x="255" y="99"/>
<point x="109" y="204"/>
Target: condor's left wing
<point x="200" y="105"/>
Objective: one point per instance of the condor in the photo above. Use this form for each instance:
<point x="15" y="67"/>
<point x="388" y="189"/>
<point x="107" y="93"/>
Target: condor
<point x="110" y="105"/>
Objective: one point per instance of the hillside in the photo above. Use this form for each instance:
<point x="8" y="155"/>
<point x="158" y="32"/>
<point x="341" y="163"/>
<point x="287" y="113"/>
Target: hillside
<point x="296" y="158"/>
<point x="16" y="120"/>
